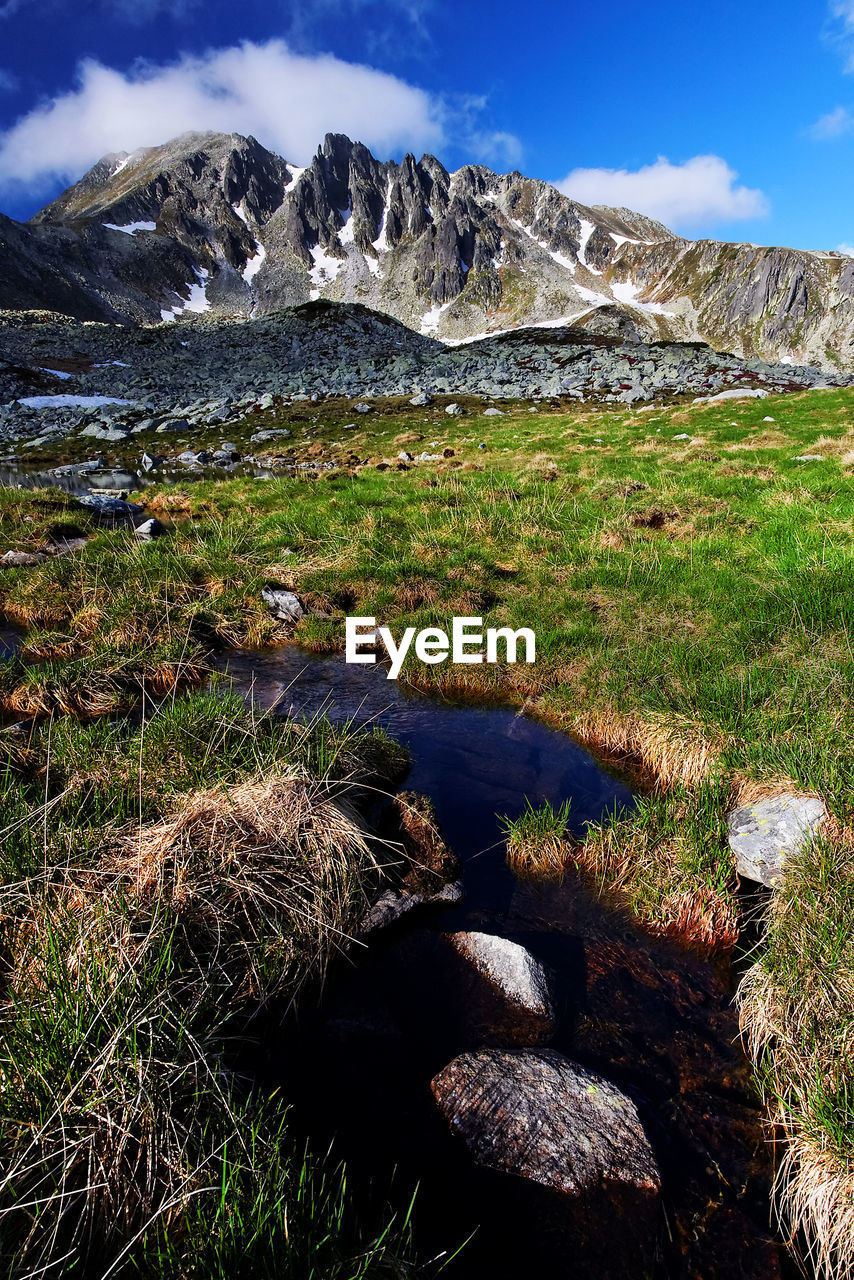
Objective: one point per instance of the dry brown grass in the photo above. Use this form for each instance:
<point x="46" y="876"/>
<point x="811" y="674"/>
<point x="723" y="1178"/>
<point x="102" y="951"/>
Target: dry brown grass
<point x="107" y="691"/>
<point x="545" y="858"/>
<point x="271" y="869"/>
<point x="668" y="753"/>
<point x="128" y="983"/>
<point x="627" y="862"/>
<point x="795" y="1008"/>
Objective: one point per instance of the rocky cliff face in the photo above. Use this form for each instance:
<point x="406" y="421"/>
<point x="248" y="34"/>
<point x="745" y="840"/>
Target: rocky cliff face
<point x="213" y="222"/>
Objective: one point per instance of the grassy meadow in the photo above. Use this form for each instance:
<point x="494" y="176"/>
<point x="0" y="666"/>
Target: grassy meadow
<point x="688" y="573"/>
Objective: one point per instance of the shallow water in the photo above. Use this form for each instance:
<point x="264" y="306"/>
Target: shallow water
<point x="11" y="639"/>
<point x="78" y="481"/>
<point x="477" y="763"/>
<point x="645" y="1011"/>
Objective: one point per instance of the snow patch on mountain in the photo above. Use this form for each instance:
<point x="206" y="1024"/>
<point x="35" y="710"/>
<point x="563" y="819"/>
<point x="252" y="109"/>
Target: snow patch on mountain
<point x="587" y="229"/>
<point x="627" y="291"/>
<point x="324" y="271"/>
<point x="69" y="402"/>
<point x="432" y="318"/>
<point x="130" y="228"/>
<point x="296" y="174"/>
<point x="198" y="300"/>
<point x="255" y="263"/>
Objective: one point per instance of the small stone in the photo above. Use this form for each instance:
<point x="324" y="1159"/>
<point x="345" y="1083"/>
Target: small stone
<point x="149" y="529"/>
<point x="511" y="1001"/>
<point x="493" y="413"/>
<point x="454" y="410"/>
<point x="282" y="603"/>
<point x="362" y="407"/>
<point x="421" y="400"/>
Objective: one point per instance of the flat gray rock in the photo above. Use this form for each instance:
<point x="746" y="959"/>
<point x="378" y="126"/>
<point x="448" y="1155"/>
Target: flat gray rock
<point x="391" y="906"/>
<point x="117" y="507"/>
<point x="764" y="835"/>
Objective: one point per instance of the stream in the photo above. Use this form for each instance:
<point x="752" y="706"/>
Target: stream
<point x="647" y="1012"/>
<point x="79" y="479"/>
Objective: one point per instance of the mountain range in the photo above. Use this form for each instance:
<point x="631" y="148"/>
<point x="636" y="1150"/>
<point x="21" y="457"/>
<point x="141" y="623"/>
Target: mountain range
<point x="217" y="223"/>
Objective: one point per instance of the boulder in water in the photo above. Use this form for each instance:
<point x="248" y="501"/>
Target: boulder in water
<point x="577" y="1142"/>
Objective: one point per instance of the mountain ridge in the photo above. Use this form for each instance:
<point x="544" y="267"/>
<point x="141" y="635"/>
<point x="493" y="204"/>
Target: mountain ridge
<point x="217" y="222"/>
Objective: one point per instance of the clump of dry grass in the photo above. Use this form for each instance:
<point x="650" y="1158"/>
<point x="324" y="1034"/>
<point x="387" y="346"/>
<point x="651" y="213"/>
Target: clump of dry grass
<point x="76" y="689"/>
<point x="796" y="1006"/>
<point x="260" y="876"/>
<point x="128" y="985"/>
<point x="666" y="861"/>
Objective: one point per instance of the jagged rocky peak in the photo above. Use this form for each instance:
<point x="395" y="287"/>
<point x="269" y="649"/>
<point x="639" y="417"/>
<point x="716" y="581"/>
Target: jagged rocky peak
<point x="217" y="222"/>
<point x="194" y="165"/>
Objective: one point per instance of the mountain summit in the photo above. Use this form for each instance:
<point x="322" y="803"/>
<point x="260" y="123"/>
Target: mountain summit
<point x="217" y="223"/>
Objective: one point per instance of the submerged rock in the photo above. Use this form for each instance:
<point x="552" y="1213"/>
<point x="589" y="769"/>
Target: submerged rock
<point x="576" y="1140"/>
<point x="391" y="906"/>
<point x="763" y="835"/>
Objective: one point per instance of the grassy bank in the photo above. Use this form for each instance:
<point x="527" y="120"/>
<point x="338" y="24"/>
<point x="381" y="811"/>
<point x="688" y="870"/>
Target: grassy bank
<point x="169" y="888"/>
<point x="689" y="577"/>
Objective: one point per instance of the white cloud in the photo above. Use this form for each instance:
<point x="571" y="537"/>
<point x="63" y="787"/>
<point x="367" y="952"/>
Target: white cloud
<point x="703" y="190"/>
<point x="847" y="249"/>
<point x="496" y="147"/>
<point x="287" y="100"/>
<point x="844" y="10"/>
<point x="833" y="125"/>
<point x="8" y="82"/>
<point x="840" y="30"/>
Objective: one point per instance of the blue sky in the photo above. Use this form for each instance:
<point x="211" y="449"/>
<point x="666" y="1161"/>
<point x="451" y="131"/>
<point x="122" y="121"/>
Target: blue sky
<point x="658" y="106"/>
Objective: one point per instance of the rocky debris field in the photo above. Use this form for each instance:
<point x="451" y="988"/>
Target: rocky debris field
<point x="61" y="377"/>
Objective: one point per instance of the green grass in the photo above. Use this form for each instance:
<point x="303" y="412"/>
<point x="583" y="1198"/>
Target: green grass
<point x="693" y="601"/>
<point x="143" y="962"/>
<point x="535" y="839"/>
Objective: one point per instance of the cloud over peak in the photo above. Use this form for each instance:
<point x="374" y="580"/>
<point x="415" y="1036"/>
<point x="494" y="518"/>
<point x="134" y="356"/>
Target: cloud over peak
<point x="702" y="191"/>
<point x="287" y="100"/>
